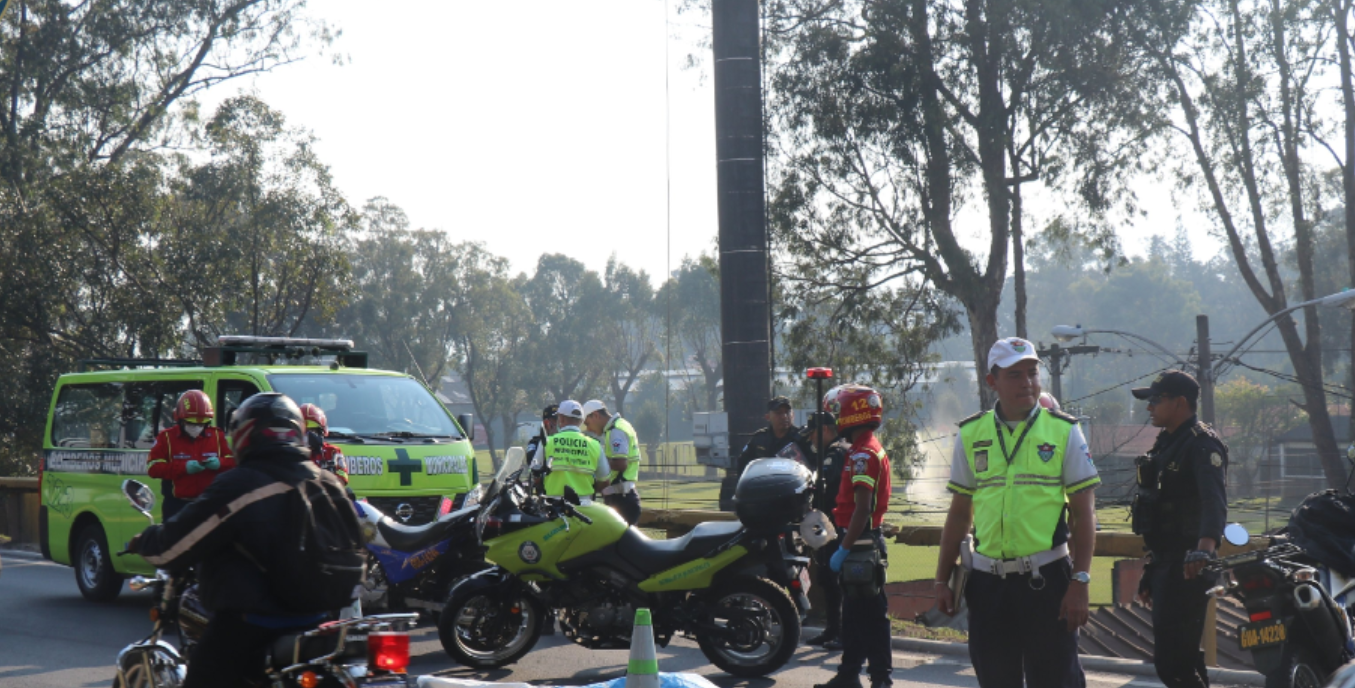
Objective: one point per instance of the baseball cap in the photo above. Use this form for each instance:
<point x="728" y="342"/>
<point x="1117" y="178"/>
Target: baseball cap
<point x="778" y="402"/>
<point x="570" y="409"/>
<point x="1010" y="351"/>
<point x="822" y="418"/>
<point x="549" y="412"/>
<point x="1172" y="382"/>
<point x="593" y="406"/>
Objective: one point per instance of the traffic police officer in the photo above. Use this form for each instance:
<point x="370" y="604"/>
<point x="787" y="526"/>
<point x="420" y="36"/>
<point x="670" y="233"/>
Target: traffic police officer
<point x="1016" y="473"/>
<point x="1180" y="509"/>
<point x="821" y="434"/>
<point x="862" y="501"/>
<point x="779" y="432"/>
<point x="573" y="458"/>
<point x="621" y="448"/>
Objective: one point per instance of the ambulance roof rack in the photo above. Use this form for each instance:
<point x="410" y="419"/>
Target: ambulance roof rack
<point x="89" y="363"/>
<point x="282" y="351"/>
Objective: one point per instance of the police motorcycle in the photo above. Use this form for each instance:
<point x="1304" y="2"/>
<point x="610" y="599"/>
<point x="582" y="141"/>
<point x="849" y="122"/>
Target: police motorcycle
<point x="723" y="584"/>
<point x="413" y="567"/>
<point x="366" y="652"/>
<point x="1299" y="629"/>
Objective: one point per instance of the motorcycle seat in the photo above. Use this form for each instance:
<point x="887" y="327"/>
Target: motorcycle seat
<point x="405" y="538"/>
<point x="653" y="556"/>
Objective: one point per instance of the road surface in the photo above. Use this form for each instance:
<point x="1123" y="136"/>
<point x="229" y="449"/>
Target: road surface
<point x="51" y="637"/>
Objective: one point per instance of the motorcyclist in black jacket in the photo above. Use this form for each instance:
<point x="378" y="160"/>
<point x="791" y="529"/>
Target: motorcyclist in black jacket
<point x="229" y="532"/>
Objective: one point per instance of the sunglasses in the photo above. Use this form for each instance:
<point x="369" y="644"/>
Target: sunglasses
<point x="1158" y="398"/>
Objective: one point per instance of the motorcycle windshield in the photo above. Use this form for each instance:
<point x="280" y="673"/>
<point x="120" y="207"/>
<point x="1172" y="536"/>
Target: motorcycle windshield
<point x="508" y="470"/>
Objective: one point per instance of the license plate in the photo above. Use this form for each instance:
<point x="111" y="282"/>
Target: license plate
<point x="1255" y="636"/>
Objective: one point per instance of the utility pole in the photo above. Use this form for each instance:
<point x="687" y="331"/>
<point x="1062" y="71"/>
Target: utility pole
<point x="1206" y="367"/>
<point x="745" y="305"/>
<point x="1059" y="358"/>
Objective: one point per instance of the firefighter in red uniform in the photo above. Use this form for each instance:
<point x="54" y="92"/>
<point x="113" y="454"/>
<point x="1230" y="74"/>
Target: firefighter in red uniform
<point x="191" y="454"/>
<point x="862" y="500"/>
<point x="325" y="455"/>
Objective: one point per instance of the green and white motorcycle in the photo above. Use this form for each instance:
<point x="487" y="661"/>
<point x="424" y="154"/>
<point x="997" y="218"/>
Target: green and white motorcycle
<point x="728" y="585"/>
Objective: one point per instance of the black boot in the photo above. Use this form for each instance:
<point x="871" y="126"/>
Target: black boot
<point x="842" y="681"/>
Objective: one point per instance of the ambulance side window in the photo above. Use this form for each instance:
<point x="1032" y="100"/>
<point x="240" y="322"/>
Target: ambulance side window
<point x="88" y="416"/>
<point x="229" y="395"/>
<point x="149" y="408"/>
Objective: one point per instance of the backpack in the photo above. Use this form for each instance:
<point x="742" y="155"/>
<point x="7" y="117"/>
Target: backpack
<point x="323" y="559"/>
<point x="1324" y="526"/>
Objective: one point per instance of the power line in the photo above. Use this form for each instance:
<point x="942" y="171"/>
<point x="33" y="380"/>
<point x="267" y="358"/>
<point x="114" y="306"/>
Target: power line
<point x="1327" y="389"/>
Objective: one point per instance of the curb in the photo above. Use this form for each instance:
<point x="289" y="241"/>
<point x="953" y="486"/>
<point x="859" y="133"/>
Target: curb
<point x="1112" y="665"/>
<point x="19" y="554"/>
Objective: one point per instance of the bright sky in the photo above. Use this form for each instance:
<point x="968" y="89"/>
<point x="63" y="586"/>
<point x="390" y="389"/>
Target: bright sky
<point x="537" y="126"/>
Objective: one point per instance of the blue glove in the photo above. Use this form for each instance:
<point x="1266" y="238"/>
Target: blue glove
<point x="212" y="464"/>
<point x="838" y="557"/>
<point x="194" y="467"/>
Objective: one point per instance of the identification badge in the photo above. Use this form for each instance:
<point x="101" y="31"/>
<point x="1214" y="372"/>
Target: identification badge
<point x="983" y="443"/>
<point x="980" y="461"/>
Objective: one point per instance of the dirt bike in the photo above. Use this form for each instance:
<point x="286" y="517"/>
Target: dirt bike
<point x="1298" y="633"/>
<point x="367" y="652"/>
<point x="724" y="584"/>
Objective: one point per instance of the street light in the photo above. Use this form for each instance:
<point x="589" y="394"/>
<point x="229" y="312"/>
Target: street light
<point x="1067" y="333"/>
<point x="1341" y="299"/>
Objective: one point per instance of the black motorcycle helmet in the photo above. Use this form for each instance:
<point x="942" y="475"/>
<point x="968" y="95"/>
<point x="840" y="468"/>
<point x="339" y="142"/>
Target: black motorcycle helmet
<point x="268" y="424"/>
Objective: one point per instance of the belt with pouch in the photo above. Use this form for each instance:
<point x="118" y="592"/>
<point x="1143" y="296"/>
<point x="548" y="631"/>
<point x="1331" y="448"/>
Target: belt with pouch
<point x="619" y="488"/>
<point x="1003" y="567"/>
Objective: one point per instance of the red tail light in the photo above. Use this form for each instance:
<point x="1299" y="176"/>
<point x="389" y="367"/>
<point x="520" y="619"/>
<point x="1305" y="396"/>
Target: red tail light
<point x="1260" y="616"/>
<point x="1257" y="582"/>
<point x="445" y="507"/>
<point x="388" y="652"/>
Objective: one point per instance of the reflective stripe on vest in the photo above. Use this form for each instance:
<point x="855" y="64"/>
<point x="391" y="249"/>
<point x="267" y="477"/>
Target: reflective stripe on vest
<point x="1017" y="506"/>
<point x="572" y="458"/>
<point x="633" y="455"/>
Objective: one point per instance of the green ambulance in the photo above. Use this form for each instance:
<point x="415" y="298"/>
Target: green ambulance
<point x="406" y="454"/>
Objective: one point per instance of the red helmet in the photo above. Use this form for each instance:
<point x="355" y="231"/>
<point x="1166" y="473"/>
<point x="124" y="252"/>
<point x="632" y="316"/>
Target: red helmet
<point x="855" y="406"/>
<point x="315" y="418"/>
<point x="194" y="407"/>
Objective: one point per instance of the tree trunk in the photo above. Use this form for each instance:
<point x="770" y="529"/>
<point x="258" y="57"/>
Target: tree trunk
<point x="982" y="312"/>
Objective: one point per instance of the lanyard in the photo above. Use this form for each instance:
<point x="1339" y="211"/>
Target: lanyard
<point x="1002" y="431"/>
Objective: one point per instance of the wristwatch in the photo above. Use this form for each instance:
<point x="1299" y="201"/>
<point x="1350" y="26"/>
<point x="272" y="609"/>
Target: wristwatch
<point x="1083" y="577"/>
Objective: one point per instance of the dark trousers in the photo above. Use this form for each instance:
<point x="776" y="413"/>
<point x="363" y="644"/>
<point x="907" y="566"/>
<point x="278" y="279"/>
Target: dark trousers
<point x="628" y="505"/>
<point x="1015" y="634"/>
<point x="866" y="636"/>
<point x="230" y="654"/>
<point x="1178" y="623"/>
<point x="171" y="506"/>
<point x="832" y="590"/>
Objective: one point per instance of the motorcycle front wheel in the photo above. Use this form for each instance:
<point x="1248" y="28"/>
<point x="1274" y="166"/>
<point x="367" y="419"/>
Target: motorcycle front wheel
<point x="760" y="628"/>
<point x="165" y="671"/>
<point x="482" y="627"/>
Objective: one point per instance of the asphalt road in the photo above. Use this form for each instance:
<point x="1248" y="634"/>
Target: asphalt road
<point x="51" y="637"/>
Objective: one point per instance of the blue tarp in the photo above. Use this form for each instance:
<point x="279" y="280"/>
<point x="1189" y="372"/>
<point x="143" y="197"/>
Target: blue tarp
<point x="665" y="681"/>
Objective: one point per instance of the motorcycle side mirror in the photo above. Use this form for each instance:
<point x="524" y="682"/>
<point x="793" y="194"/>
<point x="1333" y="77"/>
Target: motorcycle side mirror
<point x="141" y="497"/>
<point x="1236" y="535"/>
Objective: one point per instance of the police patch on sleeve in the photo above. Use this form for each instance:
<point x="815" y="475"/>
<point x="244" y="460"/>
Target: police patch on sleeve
<point x="1216" y="460"/>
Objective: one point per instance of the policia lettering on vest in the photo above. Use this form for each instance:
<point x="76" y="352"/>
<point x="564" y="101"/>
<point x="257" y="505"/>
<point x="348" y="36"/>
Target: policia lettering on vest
<point x="1022" y="477"/>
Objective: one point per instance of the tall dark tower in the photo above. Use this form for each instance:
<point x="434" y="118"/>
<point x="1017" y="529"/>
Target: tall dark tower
<point x="745" y="309"/>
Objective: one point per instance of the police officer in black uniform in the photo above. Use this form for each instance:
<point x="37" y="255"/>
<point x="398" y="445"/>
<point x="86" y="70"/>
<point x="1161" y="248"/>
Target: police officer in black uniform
<point x="829" y="470"/>
<point x="779" y="432"/>
<point x="1180" y="509"/>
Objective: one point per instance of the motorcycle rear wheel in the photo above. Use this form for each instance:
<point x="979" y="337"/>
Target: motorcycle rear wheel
<point x="481" y="627"/>
<point x="1298" y="669"/>
<point x="759" y="647"/>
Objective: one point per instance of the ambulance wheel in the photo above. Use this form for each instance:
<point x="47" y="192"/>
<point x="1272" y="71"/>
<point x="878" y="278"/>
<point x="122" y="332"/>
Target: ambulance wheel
<point x="761" y="627"/>
<point x="94" y="566"/>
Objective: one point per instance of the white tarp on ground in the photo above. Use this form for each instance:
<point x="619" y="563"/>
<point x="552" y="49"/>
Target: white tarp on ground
<point x="665" y="681"/>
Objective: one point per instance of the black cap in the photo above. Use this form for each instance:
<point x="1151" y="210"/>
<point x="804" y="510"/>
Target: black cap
<point x="778" y="402"/>
<point x="821" y="418"/>
<point x="1172" y="383"/>
<point x="549" y="412"/>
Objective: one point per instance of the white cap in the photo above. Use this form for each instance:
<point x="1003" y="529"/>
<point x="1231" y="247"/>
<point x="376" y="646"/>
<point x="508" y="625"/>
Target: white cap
<point x="593" y="405"/>
<point x="1010" y="351"/>
<point x="570" y="409"/>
